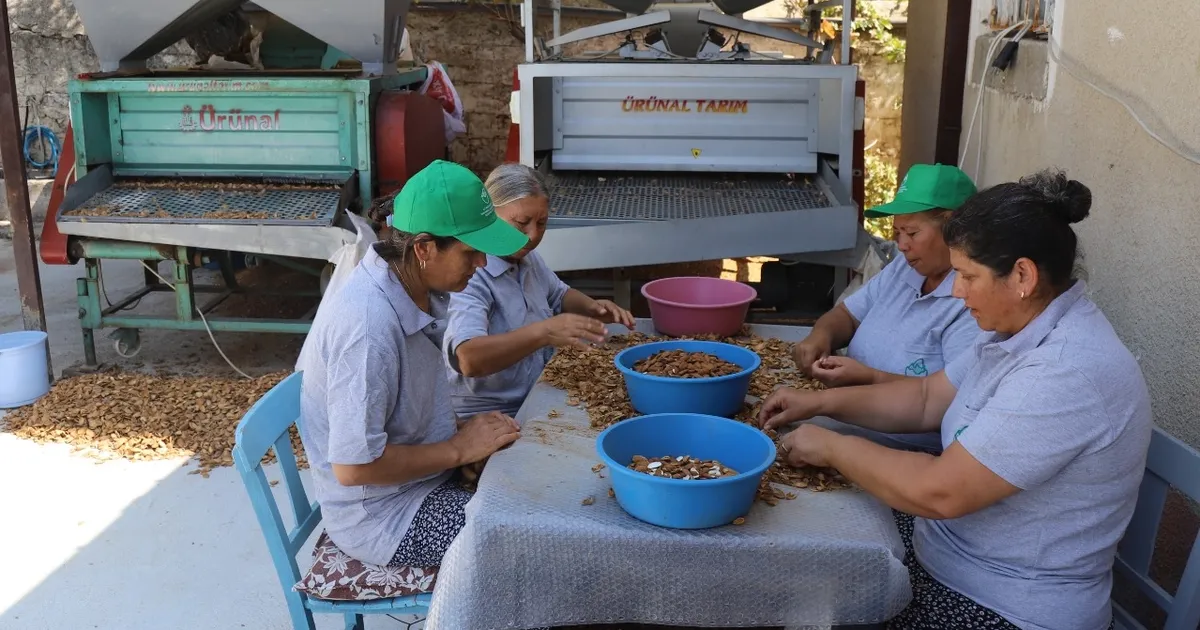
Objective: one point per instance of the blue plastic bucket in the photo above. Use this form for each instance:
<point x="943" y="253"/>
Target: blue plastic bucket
<point x="679" y="503"/>
<point x="23" y="371"/>
<point x="717" y="395"/>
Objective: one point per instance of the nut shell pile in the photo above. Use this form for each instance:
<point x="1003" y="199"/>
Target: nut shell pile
<point x="684" y="364"/>
<point x="143" y="417"/>
<point x="681" y="467"/>
<point x="592" y="381"/>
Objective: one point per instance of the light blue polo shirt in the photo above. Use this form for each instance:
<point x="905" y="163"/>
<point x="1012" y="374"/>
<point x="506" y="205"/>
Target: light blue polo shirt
<point x="501" y="298"/>
<point x="1061" y="411"/>
<point x="373" y="377"/>
<point x="901" y="331"/>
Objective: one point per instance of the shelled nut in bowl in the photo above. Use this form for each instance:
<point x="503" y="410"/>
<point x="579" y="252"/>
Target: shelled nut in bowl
<point x="713" y="395"/>
<point x="686" y="503"/>
<point x="694" y="305"/>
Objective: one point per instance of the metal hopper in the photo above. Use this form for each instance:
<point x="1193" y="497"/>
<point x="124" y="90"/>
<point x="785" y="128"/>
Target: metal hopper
<point x="125" y="33"/>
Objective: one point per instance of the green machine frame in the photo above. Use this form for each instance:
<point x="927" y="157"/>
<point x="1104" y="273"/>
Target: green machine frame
<point x="282" y="130"/>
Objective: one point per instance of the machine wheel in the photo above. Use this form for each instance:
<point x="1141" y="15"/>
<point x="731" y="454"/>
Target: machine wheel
<point x="127" y="342"/>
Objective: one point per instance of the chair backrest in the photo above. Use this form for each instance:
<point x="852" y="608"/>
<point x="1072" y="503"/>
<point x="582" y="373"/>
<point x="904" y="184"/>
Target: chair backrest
<point x="1170" y="463"/>
<point x="265" y="427"/>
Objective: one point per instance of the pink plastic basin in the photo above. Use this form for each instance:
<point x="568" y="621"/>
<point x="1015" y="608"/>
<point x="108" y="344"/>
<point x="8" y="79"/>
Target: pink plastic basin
<point x="698" y="306"/>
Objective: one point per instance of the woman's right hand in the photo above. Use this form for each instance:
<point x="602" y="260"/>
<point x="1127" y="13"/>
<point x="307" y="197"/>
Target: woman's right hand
<point x="838" y="371"/>
<point x="484" y="434"/>
<point x="569" y="329"/>
<point x="811" y="349"/>
<point x="787" y="405"/>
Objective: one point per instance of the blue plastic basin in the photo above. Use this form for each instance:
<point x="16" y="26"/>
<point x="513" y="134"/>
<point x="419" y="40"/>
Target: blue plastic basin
<point x="680" y="503"/>
<point x="718" y="395"/>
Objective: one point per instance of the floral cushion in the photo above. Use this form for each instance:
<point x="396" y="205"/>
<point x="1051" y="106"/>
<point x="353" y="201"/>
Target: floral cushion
<point x="336" y="576"/>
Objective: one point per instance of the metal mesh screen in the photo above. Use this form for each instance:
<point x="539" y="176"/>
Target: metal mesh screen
<point x="655" y="197"/>
<point x="288" y="205"/>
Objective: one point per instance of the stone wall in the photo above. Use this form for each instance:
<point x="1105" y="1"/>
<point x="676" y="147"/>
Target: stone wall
<point x="50" y="48"/>
<point x="477" y="48"/>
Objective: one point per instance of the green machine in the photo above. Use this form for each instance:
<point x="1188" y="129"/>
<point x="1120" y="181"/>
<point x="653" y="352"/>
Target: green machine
<point x="185" y="169"/>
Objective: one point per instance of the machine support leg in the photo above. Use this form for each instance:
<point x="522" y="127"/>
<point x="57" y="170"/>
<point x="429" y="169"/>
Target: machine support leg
<point x="151" y="279"/>
<point x="841" y="280"/>
<point x="622" y="290"/>
<point x="226" y="263"/>
<point x="88" y="291"/>
<point x="183" y="287"/>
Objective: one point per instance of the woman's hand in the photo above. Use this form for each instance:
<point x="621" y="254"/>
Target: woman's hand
<point x="608" y="311"/>
<point x="786" y="405"/>
<point x="813" y="348"/>
<point x="569" y="329"/>
<point x="807" y="445"/>
<point x="484" y="434"/>
<point x="835" y="371"/>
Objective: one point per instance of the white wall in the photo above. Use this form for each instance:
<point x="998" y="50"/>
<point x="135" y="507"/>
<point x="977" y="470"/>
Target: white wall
<point x="1141" y="239"/>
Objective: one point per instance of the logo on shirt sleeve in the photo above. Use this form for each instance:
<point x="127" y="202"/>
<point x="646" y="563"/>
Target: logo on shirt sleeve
<point x="916" y="368"/>
<point x="959" y="431"/>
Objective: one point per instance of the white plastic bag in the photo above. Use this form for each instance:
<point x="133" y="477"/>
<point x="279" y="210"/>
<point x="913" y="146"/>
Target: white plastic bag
<point x="437" y="86"/>
<point x="877" y="256"/>
<point x="345" y="259"/>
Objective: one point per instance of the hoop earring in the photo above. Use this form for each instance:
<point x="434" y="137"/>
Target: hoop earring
<point x="423" y="269"/>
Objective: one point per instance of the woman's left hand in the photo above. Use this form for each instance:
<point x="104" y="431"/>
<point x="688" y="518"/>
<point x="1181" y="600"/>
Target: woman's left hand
<point x="608" y="311"/>
<point x="807" y="445"/>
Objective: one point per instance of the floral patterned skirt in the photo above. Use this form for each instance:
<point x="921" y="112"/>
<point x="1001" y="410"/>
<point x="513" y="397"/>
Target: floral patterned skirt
<point x="441" y="516"/>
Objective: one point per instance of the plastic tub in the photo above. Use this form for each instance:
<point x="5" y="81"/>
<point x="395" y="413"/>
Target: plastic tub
<point x="715" y="395"/>
<point x="680" y="503"/>
<point x="685" y="305"/>
<point x="23" y="368"/>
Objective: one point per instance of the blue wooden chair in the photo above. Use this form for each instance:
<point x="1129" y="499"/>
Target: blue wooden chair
<point x="265" y="426"/>
<point x="1170" y="463"/>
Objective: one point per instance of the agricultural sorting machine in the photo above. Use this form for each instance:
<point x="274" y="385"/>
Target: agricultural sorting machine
<point x="677" y="141"/>
<point x="210" y="167"/>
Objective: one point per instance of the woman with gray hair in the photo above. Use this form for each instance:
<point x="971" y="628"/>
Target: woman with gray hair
<point x="502" y="330"/>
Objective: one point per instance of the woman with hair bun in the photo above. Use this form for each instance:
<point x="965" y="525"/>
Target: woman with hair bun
<point x="1045" y="425"/>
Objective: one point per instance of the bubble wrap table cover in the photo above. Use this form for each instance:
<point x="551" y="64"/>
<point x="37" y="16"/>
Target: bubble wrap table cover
<point x="533" y="555"/>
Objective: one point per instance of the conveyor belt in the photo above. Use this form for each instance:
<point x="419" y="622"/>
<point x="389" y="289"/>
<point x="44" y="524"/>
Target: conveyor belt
<point x="233" y="204"/>
<point x="652" y="197"/>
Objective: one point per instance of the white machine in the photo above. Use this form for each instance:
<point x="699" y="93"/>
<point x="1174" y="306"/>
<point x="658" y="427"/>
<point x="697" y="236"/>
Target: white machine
<point x="677" y="142"/>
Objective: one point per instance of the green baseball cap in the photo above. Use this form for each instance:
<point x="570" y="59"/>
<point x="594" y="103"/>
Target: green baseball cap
<point x="447" y="199"/>
<point x="927" y="187"/>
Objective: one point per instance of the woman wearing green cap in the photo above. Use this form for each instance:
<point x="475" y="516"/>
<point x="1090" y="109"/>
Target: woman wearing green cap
<point x="904" y="322"/>
<point x="503" y="328"/>
<point x="376" y="419"/>
<point x="1046" y="423"/>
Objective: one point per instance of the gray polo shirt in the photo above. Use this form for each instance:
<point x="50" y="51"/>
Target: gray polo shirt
<point x="1061" y="411"/>
<point x="501" y="298"/>
<point x="901" y="331"/>
<point x="374" y="377"/>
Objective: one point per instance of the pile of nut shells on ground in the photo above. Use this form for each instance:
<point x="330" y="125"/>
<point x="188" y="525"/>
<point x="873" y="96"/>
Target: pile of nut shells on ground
<point x="144" y="417"/>
<point x="591" y="381"/>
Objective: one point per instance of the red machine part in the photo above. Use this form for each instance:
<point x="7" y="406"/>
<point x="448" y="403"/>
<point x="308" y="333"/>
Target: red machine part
<point x="859" y="177"/>
<point x="410" y="133"/>
<point x="54" y="243"/>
